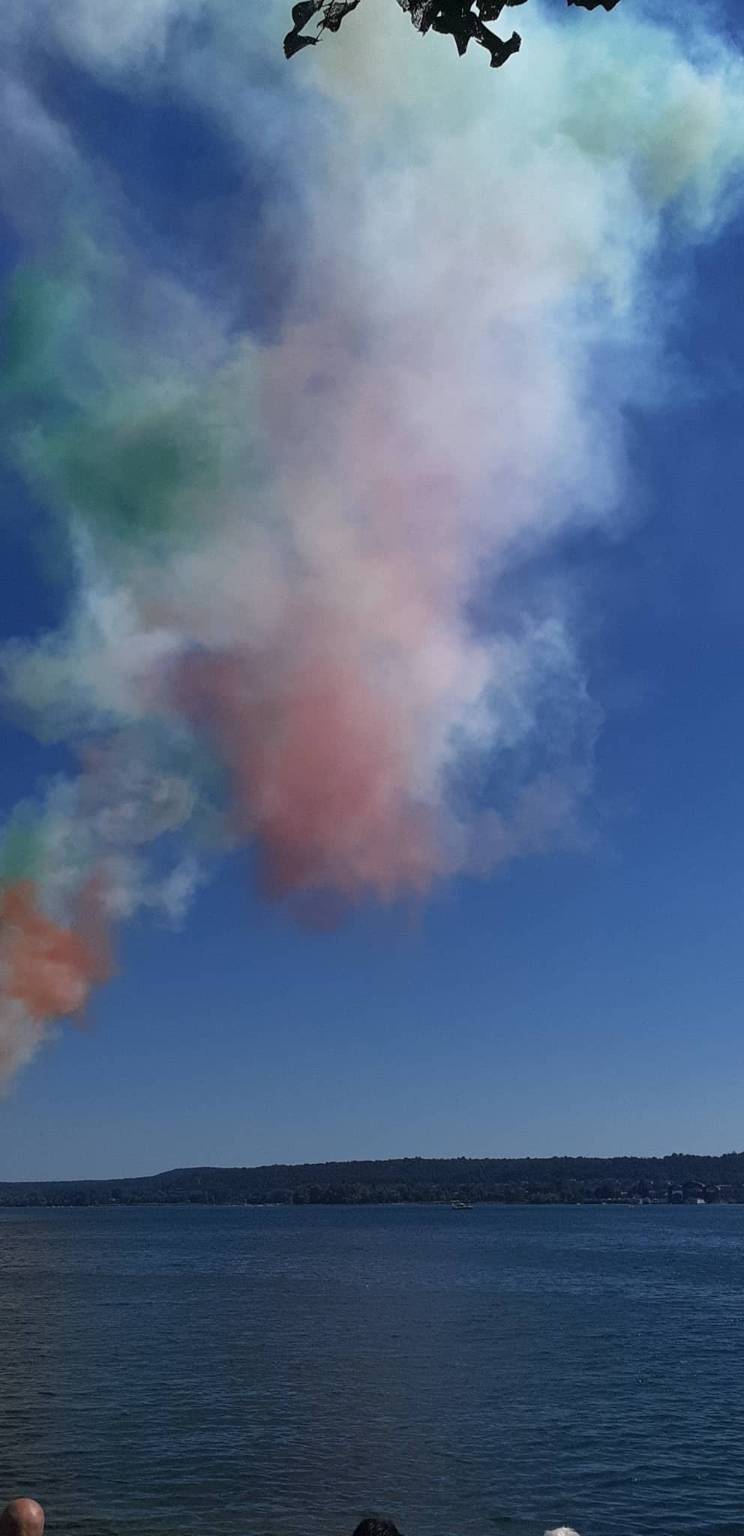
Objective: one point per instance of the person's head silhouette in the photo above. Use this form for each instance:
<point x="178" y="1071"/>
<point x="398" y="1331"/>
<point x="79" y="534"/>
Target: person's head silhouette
<point x="373" y="1526"/>
<point x="22" y="1517"/>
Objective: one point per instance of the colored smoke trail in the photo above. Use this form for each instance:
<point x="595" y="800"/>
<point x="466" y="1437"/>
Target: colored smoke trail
<point x="308" y="437"/>
<point x="46" y="971"/>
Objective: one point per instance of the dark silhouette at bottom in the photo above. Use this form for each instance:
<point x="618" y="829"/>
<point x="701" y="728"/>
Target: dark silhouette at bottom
<point x="22" y="1517"/>
<point x="376" y="1526"/>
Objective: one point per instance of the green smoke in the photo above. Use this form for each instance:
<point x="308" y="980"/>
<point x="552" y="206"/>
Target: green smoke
<point x="130" y="457"/>
<point x="21" y="846"/>
<point x="40" y="313"/>
<point x="133" y="472"/>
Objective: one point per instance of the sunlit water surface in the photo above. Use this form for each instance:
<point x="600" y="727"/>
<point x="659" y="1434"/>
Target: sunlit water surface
<point x="280" y="1372"/>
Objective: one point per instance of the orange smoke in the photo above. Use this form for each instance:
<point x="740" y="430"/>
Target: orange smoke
<point x="46" y="968"/>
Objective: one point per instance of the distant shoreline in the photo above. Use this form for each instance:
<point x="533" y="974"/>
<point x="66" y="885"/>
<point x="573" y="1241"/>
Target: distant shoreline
<point x="348" y="1205"/>
<point x="677" y="1179"/>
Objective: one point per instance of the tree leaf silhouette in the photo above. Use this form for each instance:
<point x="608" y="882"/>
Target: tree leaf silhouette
<point x="465" y="21"/>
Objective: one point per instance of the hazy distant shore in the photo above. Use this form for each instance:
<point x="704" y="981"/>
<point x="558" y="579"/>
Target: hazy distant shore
<point x="677" y="1179"/>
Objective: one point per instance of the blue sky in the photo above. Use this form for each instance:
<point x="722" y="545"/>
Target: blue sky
<point x="587" y="1001"/>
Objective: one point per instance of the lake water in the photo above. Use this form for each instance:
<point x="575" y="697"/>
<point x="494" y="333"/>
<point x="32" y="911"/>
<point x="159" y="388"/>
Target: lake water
<point x="283" y="1371"/>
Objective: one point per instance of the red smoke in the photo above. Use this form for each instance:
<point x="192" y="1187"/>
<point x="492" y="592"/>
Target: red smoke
<point x="319" y="771"/>
<point x="46" y="968"/>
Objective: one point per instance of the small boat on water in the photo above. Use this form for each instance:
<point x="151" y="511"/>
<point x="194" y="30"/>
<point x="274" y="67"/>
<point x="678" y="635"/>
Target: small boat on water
<point x="460" y="1205"/>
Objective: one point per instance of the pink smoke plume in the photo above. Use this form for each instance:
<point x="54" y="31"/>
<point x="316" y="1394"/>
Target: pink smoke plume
<point x="319" y="769"/>
<point x="47" y="968"/>
<point x="306" y="612"/>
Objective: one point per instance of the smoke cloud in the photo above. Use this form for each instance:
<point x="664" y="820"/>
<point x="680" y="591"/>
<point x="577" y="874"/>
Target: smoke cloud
<point x="302" y="428"/>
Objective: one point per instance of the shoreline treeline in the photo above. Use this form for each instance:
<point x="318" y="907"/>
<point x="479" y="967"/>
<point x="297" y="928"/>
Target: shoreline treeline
<point x="544" y="1181"/>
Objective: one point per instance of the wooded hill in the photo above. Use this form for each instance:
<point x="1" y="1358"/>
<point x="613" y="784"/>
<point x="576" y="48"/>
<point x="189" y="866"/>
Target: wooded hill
<point x="397" y="1180"/>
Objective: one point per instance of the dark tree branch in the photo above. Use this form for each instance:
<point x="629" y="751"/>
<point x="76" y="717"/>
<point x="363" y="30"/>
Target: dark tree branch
<point x="463" y="20"/>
